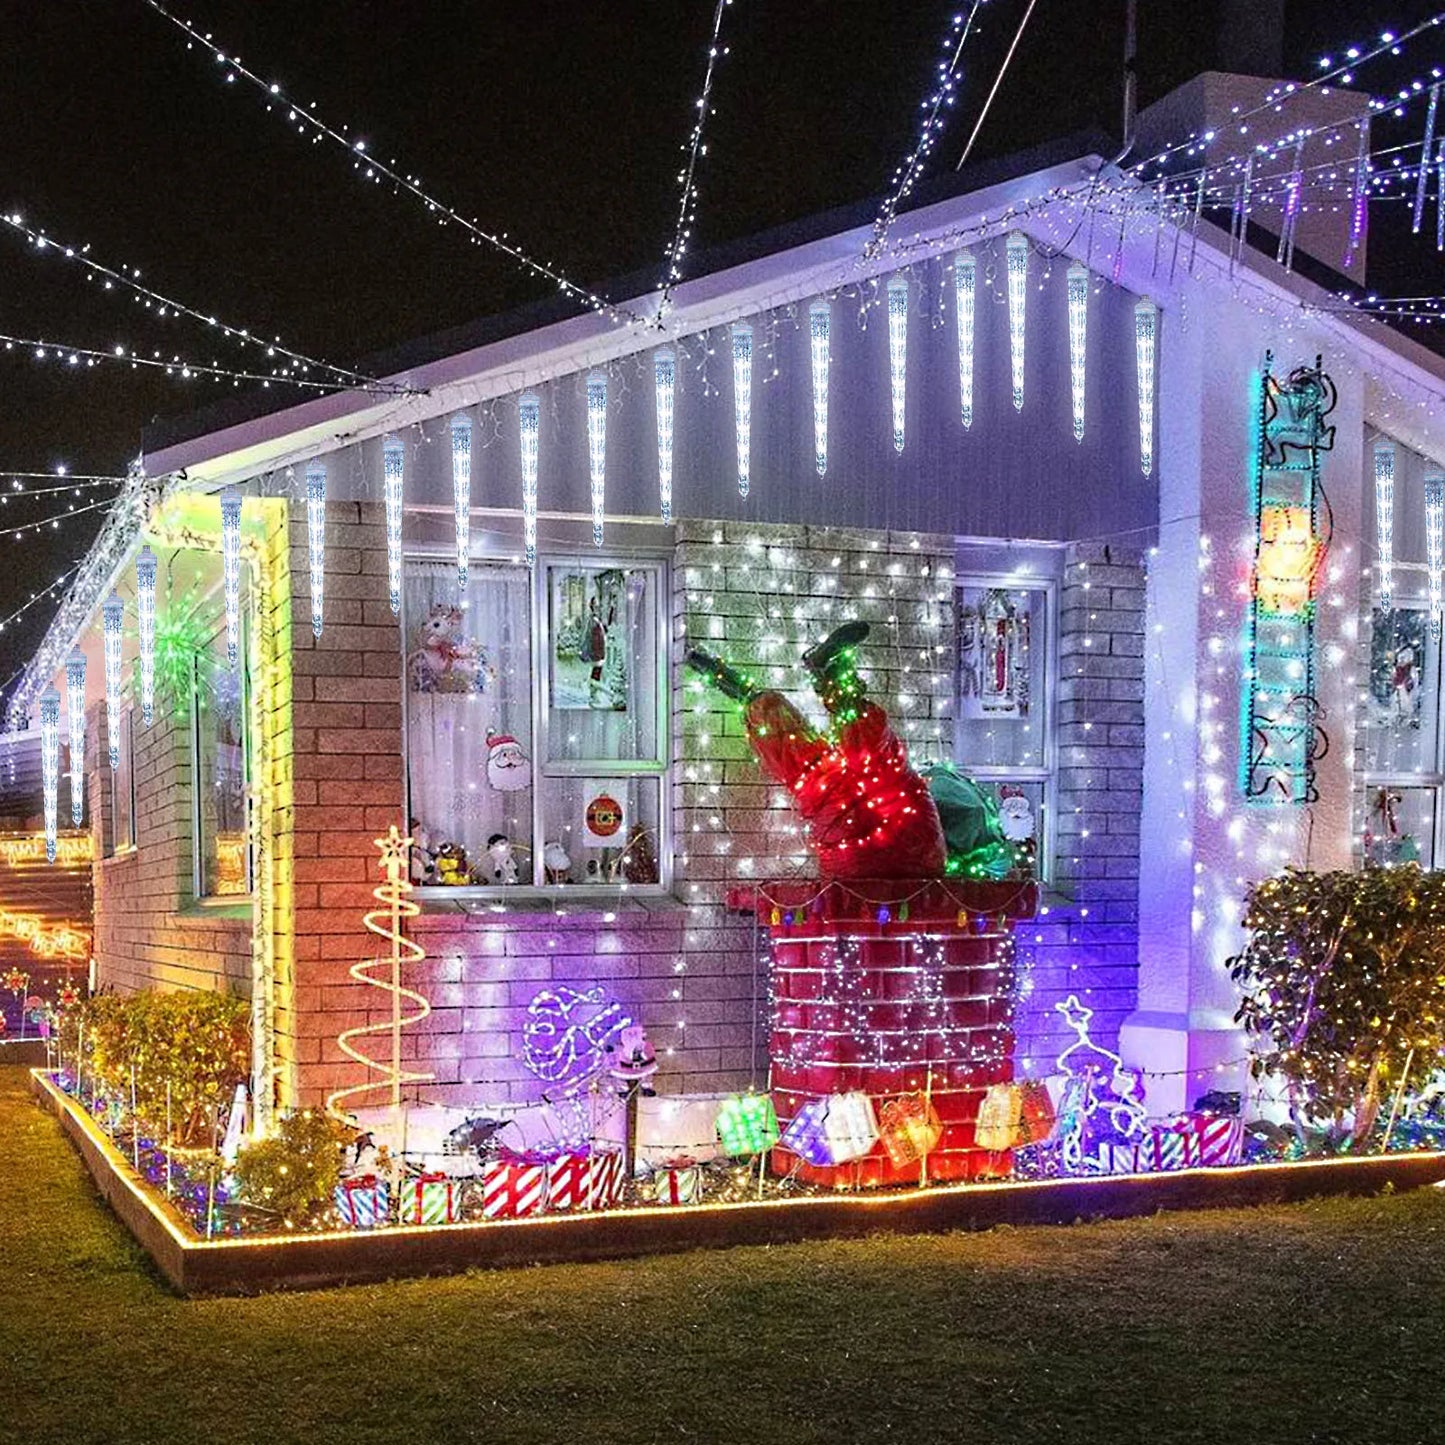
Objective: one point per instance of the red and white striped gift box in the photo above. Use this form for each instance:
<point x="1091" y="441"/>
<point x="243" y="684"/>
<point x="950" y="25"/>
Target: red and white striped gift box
<point x="578" y="1180"/>
<point x="1220" y="1138"/>
<point x="514" y="1185"/>
<point x="604" y="1179"/>
<point x="1173" y="1146"/>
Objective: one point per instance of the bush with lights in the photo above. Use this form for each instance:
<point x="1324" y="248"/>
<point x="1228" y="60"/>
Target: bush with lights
<point x="293" y="1173"/>
<point x="1343" y="980"/>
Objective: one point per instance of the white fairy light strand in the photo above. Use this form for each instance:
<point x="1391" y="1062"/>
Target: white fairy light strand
<point x="40" y="596"/>
<point x="53" y="521"/>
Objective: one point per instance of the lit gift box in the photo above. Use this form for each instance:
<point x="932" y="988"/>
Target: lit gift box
<point x="1171" y="1146"/>
<point x="851" y="1126"/>
<point x="807" y="1133"/>
<point x="747" y="1124"/>
<point x="429" y="1199"/>
<point x="910" y="1128"/>
<point x="677" y="1181"/>
<point x="514" y="1185"/>
<point x="580" y="1179"/>
<point x="1121" y="1156"/>
<point x="362" y="1202"/>
<point x="1219" y="1138"/>
<point x="999" y="1117"/>
<point x="1036" y="1112"/>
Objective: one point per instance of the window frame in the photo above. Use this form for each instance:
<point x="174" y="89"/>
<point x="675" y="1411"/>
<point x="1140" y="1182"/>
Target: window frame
<point x="660" y="768"/>
<point x="118" y="847"/>
<point x="1046" y="774"/>
<point x="222" y="900"/>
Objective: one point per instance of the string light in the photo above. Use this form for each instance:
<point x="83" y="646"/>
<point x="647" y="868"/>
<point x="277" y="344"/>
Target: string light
<point x="75" y="716"/>
<point x="112" y="620"/>
<point x="1077" y="286"/>
<point x="597" y="449"/>
<point x="1435" y="545"/>
<point x="1146" y="317"/>
<point x="316" y="538"/>
<point x="462" y="492"/>
<point x="1423" y="178"/>
<point x="742" y="335"/>
<point x="393" y="462"/>
<point x="50" y="767"/>
<point x="38" y="596"/>
<point x="898" y="355"/>
<point x="819" y="322"/>
<point x="52" y="523"/>
<point x="529" y="415"/>
<point x="1385" y="521"/>
<point x="965" y="280"/>
<point x="231" y="569"/>
<point x="664" y="373"/>
<point x="145" y="612"/>
<point x="1016" y="250"/>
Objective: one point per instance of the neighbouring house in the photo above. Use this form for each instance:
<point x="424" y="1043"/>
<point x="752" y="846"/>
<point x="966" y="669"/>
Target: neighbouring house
<point x="1029" y="442"/>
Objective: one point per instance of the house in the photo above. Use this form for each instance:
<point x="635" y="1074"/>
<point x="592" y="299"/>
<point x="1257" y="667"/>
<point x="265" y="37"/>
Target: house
<point x="1051" y="530"/>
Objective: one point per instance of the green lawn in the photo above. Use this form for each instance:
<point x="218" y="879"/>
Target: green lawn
<point x="1318" y="1322"/>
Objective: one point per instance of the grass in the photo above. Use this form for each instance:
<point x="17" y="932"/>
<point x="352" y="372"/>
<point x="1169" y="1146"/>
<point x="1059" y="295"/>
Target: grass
<point x="1322" y="1322"/>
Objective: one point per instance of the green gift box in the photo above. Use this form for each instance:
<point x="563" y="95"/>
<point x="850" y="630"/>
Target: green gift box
<point x="747" y="1124"/>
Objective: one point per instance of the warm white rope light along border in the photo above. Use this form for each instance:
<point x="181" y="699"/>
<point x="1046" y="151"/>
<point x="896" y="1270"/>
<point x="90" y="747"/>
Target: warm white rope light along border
<point x="1385" y="521"/>
<point x="462" y="493"/>
<point x="965" y="283"/>
<point x="75" y="722"/>
<point x="316" y="539"/>
<point x="664" y="375"/>
<point x="820" y="316"/>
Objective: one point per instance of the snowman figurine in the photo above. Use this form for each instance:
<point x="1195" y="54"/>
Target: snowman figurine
<point x="500" y="868"/>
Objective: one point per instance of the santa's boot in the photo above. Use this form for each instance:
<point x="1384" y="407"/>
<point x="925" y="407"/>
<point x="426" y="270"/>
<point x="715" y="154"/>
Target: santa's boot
<point x="833" y="666"/>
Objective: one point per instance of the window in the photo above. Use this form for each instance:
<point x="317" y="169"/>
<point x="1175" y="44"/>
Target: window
<point x="223" y="850"/>
<point x="1003" y="736"/>
<point x="536" y="723"/>
<point x="1401" y="732"/>
<point x="122" y="790"/>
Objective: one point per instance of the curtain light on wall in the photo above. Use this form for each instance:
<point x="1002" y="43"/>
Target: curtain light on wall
<point x="75" y="712"/>
<point x="820" y="320"/>
<point x="316" y="538"/>
<point x="664" y="373"/>
<point x="1385" y="521"/>
<point x="965" y="282"/>
<point x="1077" y="286"/>
<point x="462" y="492"/>
<point x="393" y="469"/>
<point x="1016" y="250"/>
<point x="1146" y="316"/>
<point x="112" y="619"/>
<point x="1435" y="545"/>
<point x="597" y="450"/>
<point x="898" y="355"/>
<point x="145" y="612"/>
<point x="231" y="569"/>
<point x="50" y="766"/>
<point x="529" y="415"/>
<point x="743" y="401"/>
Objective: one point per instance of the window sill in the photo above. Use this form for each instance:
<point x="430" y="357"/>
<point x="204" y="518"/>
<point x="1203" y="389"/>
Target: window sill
<point x="218" y="910"/>
<point x="121" y="855"/>
<point x="577" y="898"/>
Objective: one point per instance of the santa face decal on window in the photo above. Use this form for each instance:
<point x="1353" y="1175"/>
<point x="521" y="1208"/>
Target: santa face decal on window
<point x="509" y="770"/>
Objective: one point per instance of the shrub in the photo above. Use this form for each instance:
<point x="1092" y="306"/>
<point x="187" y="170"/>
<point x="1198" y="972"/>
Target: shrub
<point x="1343" y="980"/>
<point x="295" y="1172"/>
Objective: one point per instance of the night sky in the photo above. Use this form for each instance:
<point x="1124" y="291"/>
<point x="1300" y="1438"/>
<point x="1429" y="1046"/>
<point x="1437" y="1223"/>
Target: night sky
<point x="557" y="120"/>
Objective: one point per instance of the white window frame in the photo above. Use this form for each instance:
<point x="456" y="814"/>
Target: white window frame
<point x="120" y="846"/>
<point x="221" y="900"/>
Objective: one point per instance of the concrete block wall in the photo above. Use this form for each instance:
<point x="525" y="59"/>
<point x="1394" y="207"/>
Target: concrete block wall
<point x="1086" y="940"/>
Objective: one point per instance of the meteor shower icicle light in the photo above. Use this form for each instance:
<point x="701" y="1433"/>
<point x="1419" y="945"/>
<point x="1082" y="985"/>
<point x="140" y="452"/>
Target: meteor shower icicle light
<point x="529" y="414"/>
<point x="1146" y="317"/>
<point x="597" y="450"/>
<point x="1385" y="521"/>
<point x="393" y="466"/>
<point x="664" y="371"/>
<point x="145" y="614"/>
<point x="965" y="280"/>
<point x="231" y="569"/>
<point x="1077" y="280"/>
<point x="1435" y="545"/>
<point x="1016" y="250"/>
<point x="112" y="619"/>
<point x="462" y="492"/>
<point x="75" y="714"/>
<point x="898" y="355"/>
<point x="316" y="537"/>
<point x="743" y="401"/>
<point x="50" y="766"/>
<point x="820" y="317"/>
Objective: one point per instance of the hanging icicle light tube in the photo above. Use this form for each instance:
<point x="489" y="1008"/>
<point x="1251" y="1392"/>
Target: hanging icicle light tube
<point x="820" y="317"/>
<point x="112" y="620"/>
<point x="316" y="538"/>
<point x="597" y="450"/>
<point x="965" y="281"/>
<point x="742" y="335"/>
<point x="1435" y="546"/>
<point x="898" y="355"/>
<point x="50" y="766"/>
<point x="529" y="414"/>
<point x="1016" y="250"/>
<point x="145" y="612"/>
<point x="231" y="569"/>
<point x="1077" y="281"/>
<point x="1145" y="325"/>
<point x="1385" y="521"/>
<point x="75" y="721"/>
<point x="393" y="464"/>
<point x="664" y="372"/>
<point x="462" y="492"/>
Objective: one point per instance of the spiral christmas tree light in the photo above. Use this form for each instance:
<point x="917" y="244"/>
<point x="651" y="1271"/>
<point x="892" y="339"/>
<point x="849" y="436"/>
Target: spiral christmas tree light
<point x="462" y="492"/>
<point x="1145" y="325"/>
<point x="898" y="355"/>
<point x="145" y="612"/>
<point x="393" y="463"/>
<point x="112" y="619"/>
<point x="384" y="972"/>
<point x="75" y="721"/>
<point x="1016" y="251"/>
<point x="597" y="450"/>
<point x="664" y="373"/>
<point x="1385" y="521"/>
<point x="742" y="335"/>
<point x="965" y="281"/>
<point x="1077" y="283"/>
<point x="316" y="539"/>
<point x="231" y="569"/>
<point x="1435" y="545"/>
<point x="50" y="766"/>
<point x="529" y="415"/>
<point x="819" y="324"/>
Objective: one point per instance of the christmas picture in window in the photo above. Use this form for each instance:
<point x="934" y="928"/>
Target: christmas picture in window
<point x="994" y="654"/>
<point x="589" y="645"/>
<point x="1397" y="667"/>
